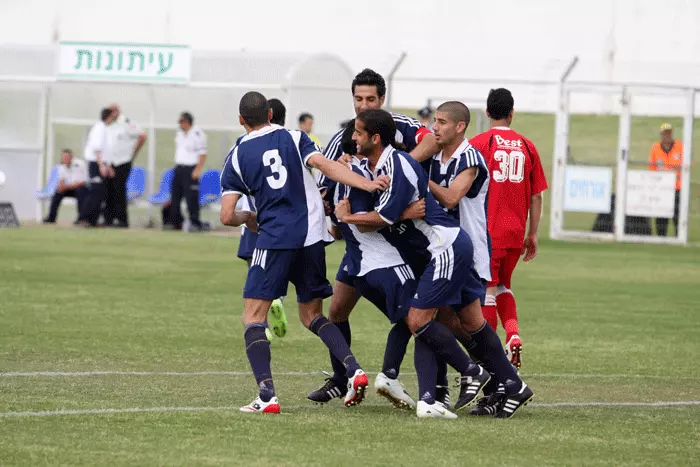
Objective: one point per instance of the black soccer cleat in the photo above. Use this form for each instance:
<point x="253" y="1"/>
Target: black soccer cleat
<point x="442" y="395"/>
<point x="487" y="406"/>
<point x="331" y="389"/>
<point x="470" y="387"/>
<point x="512" y="402"/>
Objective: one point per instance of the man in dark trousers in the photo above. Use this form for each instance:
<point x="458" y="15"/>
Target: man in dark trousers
<point x="124" y="140"/>
<point x="190" y="155"/>
<point x="72" y="181"/>
<point x="98" y="170"/>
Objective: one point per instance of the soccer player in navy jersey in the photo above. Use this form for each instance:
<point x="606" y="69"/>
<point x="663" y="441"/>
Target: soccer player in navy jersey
<point x="380" y="274"/>
<point x="273" y="165"/>
<point x="449" y="280"/>
<point x="246" y="246"/>
<point x="368" y="92"/>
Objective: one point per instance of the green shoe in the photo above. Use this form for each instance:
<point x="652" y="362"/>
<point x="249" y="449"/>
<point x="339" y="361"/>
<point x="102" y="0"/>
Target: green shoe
<point x="277" y="318"/>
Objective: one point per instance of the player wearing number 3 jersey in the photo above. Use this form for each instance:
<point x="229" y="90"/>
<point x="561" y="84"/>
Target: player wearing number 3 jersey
<point x="273" y="166"/>
<point x="515" y="190"/>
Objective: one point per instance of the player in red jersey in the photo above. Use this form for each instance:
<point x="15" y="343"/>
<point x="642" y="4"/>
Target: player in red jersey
<point x="517" y="183"/>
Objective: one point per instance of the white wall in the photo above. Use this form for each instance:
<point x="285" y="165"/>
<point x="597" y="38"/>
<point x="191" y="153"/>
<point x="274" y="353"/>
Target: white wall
<point x="640" y="40"/>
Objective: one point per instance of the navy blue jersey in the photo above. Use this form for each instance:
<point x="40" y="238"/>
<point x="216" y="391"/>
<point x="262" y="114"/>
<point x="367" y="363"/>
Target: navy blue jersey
<point x="471" y="211"/>
<point x="409" y="132"/>
<point x="409" y="182"/>
<point x="270" y="164"/>
<point x="365" y="251"/>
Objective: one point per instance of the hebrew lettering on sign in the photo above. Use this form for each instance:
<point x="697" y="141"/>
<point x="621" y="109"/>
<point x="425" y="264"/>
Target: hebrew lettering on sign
<point x="123" y="61"/>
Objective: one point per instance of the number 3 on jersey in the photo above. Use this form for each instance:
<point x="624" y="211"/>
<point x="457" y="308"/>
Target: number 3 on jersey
<point x="511" y="166"/>
<point x="273" y="160"/>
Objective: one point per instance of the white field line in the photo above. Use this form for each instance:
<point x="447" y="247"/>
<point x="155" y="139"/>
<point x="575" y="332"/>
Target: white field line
<point x="305" y="373"/>
<point x="50" y="413"/>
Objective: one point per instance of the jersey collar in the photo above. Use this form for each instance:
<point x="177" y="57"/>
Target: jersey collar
<point x="382" y="159"/>
<point x="501" y="128"/>
<point x="262" y="131"/>
<point x="460" y="149"/>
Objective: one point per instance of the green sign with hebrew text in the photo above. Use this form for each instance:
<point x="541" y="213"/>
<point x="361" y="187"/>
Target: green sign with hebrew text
<point x="105" y="61"/>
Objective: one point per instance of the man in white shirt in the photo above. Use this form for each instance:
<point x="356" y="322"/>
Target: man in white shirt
<point x="124" y="140"/>
<point x="190" y="154"/>
<point x="72" y="181"/>
<point x="98" y="170"/>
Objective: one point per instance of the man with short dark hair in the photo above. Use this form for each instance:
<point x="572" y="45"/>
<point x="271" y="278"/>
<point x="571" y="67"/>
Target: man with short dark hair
<point x="273" y="165"/>
<point x="368" y="92"/>
<point x="515" y="193"/>
<point x="190" y="155"/>
<point x="72" y="181"/>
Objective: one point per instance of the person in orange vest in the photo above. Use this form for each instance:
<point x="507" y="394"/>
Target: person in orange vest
<point x="667" y="154"/>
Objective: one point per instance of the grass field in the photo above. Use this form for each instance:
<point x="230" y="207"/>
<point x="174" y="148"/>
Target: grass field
<point x="610" y="336"/>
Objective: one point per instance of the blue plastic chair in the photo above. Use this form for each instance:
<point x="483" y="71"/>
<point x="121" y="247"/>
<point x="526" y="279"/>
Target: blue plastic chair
<point x="136" y="183"/>
<point x="51" y="185"/>
<point x="209" y="187"/>
<point x="166" y="183"/>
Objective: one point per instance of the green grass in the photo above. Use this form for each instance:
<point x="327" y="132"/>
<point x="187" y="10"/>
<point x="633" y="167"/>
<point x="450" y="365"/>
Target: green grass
<point x="601" y="323"/>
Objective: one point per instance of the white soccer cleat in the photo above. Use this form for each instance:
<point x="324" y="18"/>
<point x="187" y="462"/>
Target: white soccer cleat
<point x="394" y="392"/>
<point x="357" y="385"/>
<point x="258" y="406"/>
<point x="436" y="410"/>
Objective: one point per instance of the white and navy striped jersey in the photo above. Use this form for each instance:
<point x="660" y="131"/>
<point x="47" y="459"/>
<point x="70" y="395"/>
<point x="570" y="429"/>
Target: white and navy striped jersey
<point x="409" y="132"/>
<point x="409" y="182"/>
<point x="366" y="251"/>
<point x="471" y="212"/>
<point x="270" y="164"/>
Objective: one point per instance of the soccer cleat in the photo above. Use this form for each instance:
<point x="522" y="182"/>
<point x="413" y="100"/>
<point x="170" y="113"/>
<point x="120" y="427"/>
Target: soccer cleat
<point x="329" y="391"/>
<point x="436" y="410"/>
<point x="258" y="406"/>
<point x="488" y="405"/>
<point x="512" y="402"/>
<point x="514" y="349"/>
<point x="470" y="387"/>
<point x="394" y="392"/>
<point x="356" y="388"/>
<point x="277" y="318"/>
<point x="442" y="396"/>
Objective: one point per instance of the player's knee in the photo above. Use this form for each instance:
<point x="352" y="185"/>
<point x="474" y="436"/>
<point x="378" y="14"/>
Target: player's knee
<point x="471" y="317"/>
<point x="418" y="318"/>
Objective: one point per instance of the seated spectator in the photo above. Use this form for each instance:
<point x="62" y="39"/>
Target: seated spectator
<point x="426" y="117"/>
<point x="72" y="176"/>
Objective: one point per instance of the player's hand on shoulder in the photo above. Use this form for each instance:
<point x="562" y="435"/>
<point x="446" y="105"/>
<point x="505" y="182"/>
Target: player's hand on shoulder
<point x="345" y="159"/>
<point x="530" y="247"/>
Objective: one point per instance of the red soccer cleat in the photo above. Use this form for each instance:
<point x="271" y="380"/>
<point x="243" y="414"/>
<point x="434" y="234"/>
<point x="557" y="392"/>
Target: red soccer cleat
<point x="357" y="385"/>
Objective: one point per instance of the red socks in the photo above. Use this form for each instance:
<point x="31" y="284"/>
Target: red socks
<point x="489" y="312"/>
<point x="505" y="304"/>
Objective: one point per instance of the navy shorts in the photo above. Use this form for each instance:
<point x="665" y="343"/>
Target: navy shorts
<point x="450" y="279"/>
<point x="247" y="244"/>
<point x="343" y="275"/>
<point x="271" y="271"/>
<point x="392" y="288"/>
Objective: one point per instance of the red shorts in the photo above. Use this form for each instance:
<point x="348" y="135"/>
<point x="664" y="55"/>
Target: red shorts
<point x="503" y="263"/>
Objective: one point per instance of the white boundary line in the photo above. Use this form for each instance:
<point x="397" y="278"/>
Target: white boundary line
<point x="49" y="413"/>
<point x="304" y="373"/>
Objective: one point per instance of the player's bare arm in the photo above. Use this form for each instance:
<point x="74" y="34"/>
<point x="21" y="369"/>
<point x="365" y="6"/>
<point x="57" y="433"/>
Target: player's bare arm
<point x="530" y="243"/>
<point x="342" y="174"/>
<point x="449" y="196"/>
<point x="372" y="221"/>
<point x="232" y="217"/>
<point x="426" y="148"/>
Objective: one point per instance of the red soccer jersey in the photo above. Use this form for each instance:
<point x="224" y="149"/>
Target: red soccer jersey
<point x="516" y="175"/>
